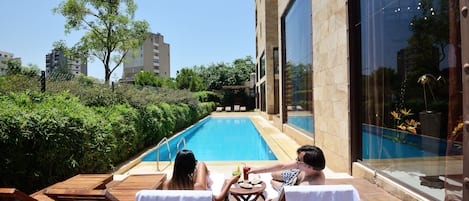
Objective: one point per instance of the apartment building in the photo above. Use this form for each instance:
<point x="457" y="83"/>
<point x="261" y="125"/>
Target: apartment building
<point x="152" y="56"/>
<point x="4" y="57"/>
<point x="57" y="59"/>
<point x="381" y="86"/>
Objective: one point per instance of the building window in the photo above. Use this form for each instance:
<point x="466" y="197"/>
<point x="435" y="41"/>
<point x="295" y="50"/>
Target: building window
<point x="276" y="65"/>
<point x="411" y="99"/>
<point x="263" y="98"/>
<point x="262" y="65"/>
<point x="297" y="37"/>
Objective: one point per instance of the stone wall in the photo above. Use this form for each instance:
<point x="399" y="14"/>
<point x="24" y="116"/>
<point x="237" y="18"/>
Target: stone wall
<point x="331" y="82"/>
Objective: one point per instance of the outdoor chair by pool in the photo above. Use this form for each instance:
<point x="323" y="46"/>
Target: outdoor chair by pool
<point x="174" y="195"/>
<point x="78" y="194"/>
<point x="219" y="109"/>
<point x="13" y="194"/>
<point x="228" y="108"/>
<point x="236" y="108"/>
<point x="242" y="108"/>
<point x="321" y="192"/>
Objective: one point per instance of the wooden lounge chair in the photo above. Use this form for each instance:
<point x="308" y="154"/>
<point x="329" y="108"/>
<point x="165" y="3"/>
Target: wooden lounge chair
<point x="13" y="194"/>
<point x="78" y="194"/>
<point x="228" y="108"/>
<point x="219" y="109"/>
<point x="236" y="108"/>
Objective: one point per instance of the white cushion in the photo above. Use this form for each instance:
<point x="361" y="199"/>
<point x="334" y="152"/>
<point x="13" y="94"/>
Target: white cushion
<point x="269" y="192"/>
<point x="321" y="193"/>
<point x="218" y="180"/>
<point x="174" y="195"/>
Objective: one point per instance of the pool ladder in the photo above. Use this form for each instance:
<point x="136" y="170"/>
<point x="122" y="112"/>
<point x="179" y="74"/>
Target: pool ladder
<point x="166" y="141"/>
<point x="179" y="143"/>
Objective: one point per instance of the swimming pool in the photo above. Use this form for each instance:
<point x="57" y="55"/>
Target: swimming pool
<point x="378" y="143"/>
<point x="219" y="139"/>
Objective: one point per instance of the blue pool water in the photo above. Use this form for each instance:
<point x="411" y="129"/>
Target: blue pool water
<point x="304" y="122"/>
<point x="378" y="143"/>
<point x="219" y="139"/>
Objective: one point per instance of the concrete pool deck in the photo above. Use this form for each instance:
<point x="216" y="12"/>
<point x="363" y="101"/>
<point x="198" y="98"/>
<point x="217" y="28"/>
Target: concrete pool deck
<point x="282" y="145"/>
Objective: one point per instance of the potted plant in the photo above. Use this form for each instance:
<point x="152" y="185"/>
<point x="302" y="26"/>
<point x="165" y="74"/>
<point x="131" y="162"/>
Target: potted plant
<point x="429" y="119"/>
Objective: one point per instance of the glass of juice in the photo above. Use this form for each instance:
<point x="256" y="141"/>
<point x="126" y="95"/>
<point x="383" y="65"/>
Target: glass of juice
<point x="245" y="173"/>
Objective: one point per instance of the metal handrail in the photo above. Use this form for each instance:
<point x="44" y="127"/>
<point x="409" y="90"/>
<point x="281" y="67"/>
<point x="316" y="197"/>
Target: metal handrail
<point x="164" y="140"/>
<point x="179" y="143"/>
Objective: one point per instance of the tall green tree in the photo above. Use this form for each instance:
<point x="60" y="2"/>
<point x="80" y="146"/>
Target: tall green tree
<point x="225" y="74"/>
<point x="188" y="79"/>
<point x="111" y="31"/>
<point x="14" y="67"/>
<point x="147" y="78"/>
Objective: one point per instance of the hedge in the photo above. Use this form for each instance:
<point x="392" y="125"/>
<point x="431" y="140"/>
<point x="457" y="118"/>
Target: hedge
<point x="46" y="138"/>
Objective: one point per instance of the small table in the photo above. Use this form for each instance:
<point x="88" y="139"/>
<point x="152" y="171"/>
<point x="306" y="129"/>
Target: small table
<point x="243" y="194"/>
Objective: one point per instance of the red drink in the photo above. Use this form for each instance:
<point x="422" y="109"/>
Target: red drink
<point x="245" y="173"/>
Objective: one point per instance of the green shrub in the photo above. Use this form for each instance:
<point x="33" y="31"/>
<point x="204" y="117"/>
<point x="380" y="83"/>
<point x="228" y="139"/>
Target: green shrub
<point x="81" y="126"/>
<point x="182" y="116"/>
<point x="121" y="121"/>
<point x="18" y="83"/>
<point x="52" y="137"/>
<point x="149" y="124"/>
<point x="168" y="120"/>
<point x="205" y="109"/>
<point x="208" y="96"/>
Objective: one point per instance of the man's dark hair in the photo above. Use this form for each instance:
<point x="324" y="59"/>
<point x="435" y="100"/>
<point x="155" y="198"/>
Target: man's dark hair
<point x="313" y="157"/>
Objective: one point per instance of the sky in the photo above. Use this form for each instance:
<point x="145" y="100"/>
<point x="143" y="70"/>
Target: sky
<point x="200" y="32"/>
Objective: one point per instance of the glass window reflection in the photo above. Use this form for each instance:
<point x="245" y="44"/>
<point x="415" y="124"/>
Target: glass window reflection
<point x="298" y="68"/>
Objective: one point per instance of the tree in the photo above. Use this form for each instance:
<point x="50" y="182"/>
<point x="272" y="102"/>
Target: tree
<point x="111" y="29"/>
<point x="189" y="79"/>
<point x="14" y="68"/>
<point x="147" y="78"/>
<point x="218" y="75"/>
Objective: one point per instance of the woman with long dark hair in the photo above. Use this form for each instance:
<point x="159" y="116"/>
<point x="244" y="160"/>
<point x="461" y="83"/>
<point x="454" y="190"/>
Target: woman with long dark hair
<point x="189" y="174"/>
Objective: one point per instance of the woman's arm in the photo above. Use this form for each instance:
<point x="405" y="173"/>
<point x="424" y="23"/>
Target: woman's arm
<point x="226" y="187"/>
<point x="200" y="182"/>
<point x="166" y="185"/>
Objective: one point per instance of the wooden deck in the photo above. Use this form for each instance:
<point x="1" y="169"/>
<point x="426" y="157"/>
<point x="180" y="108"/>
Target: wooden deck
<point x="100" y="187"/>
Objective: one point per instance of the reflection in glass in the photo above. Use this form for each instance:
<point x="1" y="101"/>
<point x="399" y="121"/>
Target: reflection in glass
<point x="297" y="69"/>
<point x="410" y="93"/>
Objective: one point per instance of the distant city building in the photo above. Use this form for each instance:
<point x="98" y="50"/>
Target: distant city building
<point x="152" y="56"/>
<point x="57" y="59"/>
<point x="4" y="57"/>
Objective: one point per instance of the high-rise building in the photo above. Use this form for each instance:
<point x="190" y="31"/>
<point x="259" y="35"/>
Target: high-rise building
<point x="4" y="57"/>
<point x="57" y="59"/>
<point x="152" y="56"/>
